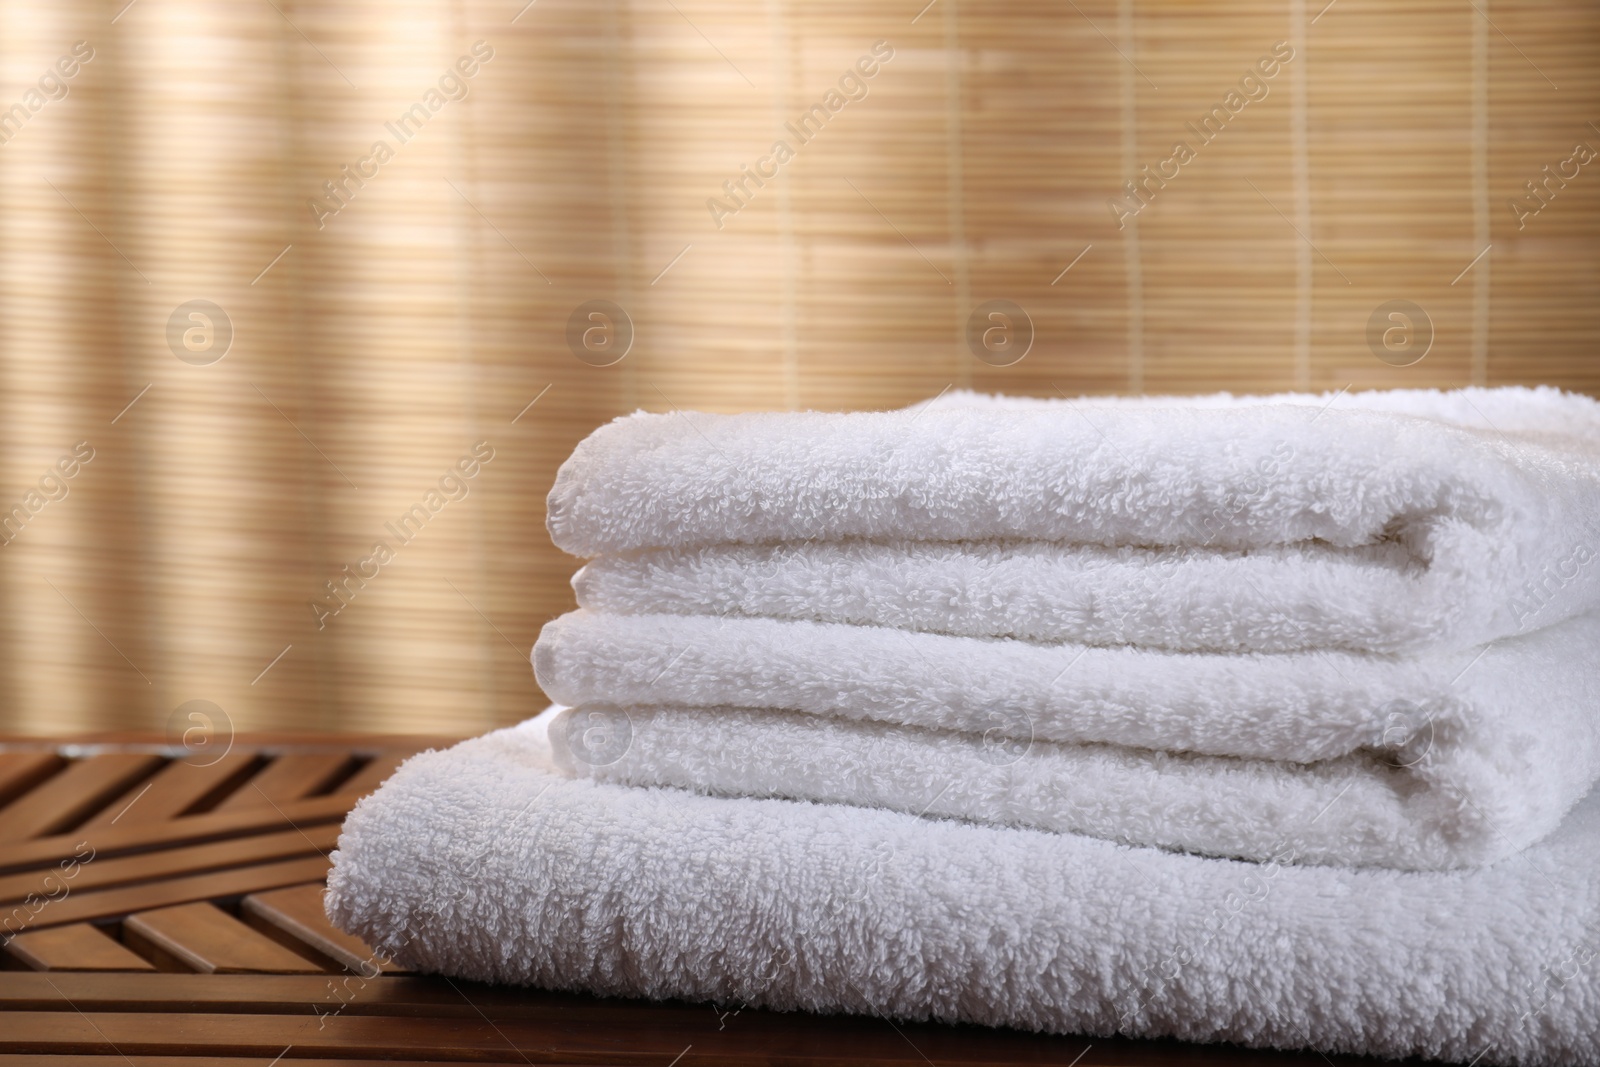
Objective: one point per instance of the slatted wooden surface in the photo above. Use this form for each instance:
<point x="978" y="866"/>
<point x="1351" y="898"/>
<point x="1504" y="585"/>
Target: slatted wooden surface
<point x="158" y="907"/>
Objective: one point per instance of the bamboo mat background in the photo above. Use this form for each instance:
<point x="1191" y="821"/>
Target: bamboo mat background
<point x="370" y="353"/>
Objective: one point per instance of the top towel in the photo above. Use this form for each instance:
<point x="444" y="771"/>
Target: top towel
<point x="1480" y="507"/>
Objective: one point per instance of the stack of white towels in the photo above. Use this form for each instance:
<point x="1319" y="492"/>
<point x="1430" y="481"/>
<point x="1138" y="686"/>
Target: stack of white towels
<point x="1259" y="719"/>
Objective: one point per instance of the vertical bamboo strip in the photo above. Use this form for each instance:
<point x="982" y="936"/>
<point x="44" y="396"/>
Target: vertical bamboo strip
<point x="1301" y="166"/>
<point x="1480" y="193"/>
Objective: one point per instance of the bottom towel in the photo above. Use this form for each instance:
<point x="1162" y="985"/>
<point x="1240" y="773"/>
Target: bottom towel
<point x="484" y="862"/>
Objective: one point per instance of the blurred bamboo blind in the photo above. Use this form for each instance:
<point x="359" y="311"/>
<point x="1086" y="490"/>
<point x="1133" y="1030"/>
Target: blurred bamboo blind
<point x="388" y="316"/>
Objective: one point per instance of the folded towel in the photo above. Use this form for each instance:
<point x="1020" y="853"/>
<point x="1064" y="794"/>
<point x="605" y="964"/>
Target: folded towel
<point x="1351" y="812"/>
<point x="1449" y="759"/>
<point x="1454" y="518"/>
<point x="1283" y="598"/>
<point x="483" y="863"/>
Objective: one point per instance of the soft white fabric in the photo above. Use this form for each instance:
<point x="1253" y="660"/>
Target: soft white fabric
<point x="484" y="863"/>
<point x="1485" y="504"/>
<point x="1352" y="811"/>
<point x="1449" y="759"/>
<point x="1281" y="598"/>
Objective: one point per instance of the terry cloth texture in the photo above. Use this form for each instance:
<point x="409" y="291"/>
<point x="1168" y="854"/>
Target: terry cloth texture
<point x="483" y="862"/>
<point x="1386" y="521"/>
<point x="1445" y="760"/>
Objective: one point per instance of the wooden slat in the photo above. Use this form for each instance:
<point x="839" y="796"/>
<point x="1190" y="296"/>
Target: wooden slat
<point x="278" y="994"/>
<point x="118" y="1060"/>
<point x="122" y="900"/>
<point x="291" y="776"/>
<point x="175" y="789"/>
<point x="77" y="792"/>
<point x="21" y="771"/>
<point x="750" y="1038"/>
<point x="123" y="839"/>
<point x="650" y="1023"/>
<point x="373" y="774"/>
<point x="297" y="913"/>
<point x="202" y="937"/>
<point x="98" y="872"/>
<point x="459" y="1039"/>
<point x="647" y="1025"/>
<point x="79" y="947"/>
<point x="264" y="740"/>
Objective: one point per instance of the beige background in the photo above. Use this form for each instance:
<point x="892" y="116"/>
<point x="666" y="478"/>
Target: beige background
<point x="370" y="354"/>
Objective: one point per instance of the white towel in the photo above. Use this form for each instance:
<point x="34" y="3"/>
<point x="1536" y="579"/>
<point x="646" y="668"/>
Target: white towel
<point x="1413" y="517"/>
<point x="1352" y="811"/>
<point x="1283" y="598"/>
<point x="483" y="863"/>
<point x="1449" y="759"/>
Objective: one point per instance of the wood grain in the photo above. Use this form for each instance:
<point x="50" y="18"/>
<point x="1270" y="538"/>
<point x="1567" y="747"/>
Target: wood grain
<point x="101" y="872"/>
<point x="289" y="777"/>
<point x="202" y="937"/>
<point x="861" y="1042"/>
<point x="373" y="772"/>
<point x="72" y="795"/>
<point x="178" y="788"/>
<point x="95" y="904"/>
<point x="21" y="771"/>
<point x="78" y="947"/>
<point x="131" y="836"/>
<point x="118" y="1060"/>
<point x="296" y="915"/>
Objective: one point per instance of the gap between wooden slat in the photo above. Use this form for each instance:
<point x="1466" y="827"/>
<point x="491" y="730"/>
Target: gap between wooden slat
<point x="98" y="873"/>
<point x="64" y="800"/>
<point x="233" y="882"/>
<point x="123" y="839"/>
<point x="295" y="917"/>
<point x="78" y="947"/>
<point x="373" y="774"/>
<point x="292" y="776"/>
<point x="202" y="937"/>
<point x="22" y="771"/>
<point x="177" y="789"/>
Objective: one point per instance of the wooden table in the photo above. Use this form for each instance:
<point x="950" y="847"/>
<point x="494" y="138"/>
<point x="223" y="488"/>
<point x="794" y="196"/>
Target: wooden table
<point x="164" y="907"/>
